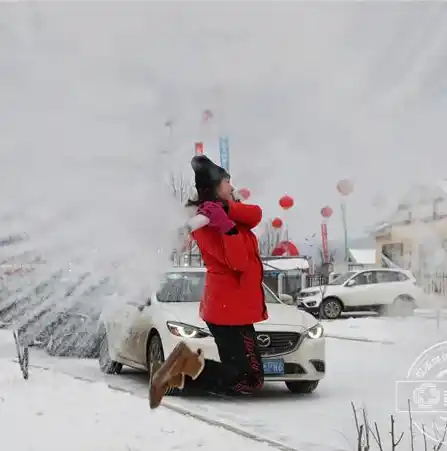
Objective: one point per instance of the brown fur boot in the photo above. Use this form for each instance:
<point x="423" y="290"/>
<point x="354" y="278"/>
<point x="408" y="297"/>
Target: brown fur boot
<point x="171" y="374"/>
<point x="175" y="383"/>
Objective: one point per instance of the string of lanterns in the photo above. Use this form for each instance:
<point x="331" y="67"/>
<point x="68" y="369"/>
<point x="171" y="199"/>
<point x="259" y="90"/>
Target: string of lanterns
<point x="344" y="186"/>
<point x="283" y="248"/>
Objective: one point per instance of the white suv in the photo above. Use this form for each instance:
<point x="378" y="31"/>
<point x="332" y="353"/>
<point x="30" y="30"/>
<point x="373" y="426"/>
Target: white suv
<point x="381" y="290"/>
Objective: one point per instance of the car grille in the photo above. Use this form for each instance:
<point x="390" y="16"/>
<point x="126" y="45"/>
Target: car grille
<point x="277" y="342"/>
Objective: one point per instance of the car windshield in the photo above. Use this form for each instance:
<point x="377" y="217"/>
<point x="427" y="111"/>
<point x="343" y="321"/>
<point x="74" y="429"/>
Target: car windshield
<point x="188" y="287"/>
<point x="342" y="278"/>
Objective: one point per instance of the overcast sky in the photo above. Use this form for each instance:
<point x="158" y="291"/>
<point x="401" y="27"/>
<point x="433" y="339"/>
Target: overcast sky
<point x="308" y="93"/>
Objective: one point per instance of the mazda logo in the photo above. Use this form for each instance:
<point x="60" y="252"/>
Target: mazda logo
<point x="263" y="341"/>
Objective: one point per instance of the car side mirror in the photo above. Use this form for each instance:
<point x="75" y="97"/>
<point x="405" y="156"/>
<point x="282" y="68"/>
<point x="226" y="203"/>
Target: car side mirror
<point x="350" y="283"/>
<point x="148" y="302"/>
<point x="142" y="306"/>
<point x="287" y="299"/>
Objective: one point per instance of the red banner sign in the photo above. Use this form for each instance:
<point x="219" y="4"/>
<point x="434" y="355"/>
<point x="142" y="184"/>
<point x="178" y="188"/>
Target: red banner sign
<point x="198" y="148"/>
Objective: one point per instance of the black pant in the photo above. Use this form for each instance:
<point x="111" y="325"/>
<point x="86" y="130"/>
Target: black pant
<point x="240" y="369"/>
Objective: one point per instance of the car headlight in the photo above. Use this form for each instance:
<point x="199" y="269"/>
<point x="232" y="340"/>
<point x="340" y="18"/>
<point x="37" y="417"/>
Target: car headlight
<point x="186" y="331"/>
<point x="307" y="294"/>
<point x="315" y="332"/>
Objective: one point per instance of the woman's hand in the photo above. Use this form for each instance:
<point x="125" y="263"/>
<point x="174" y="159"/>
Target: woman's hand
<point x="219" y="220"/>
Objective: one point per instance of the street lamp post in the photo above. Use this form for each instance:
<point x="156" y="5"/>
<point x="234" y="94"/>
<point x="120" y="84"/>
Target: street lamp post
<point x="345" y="188"/>
<point x="326" y="213"/>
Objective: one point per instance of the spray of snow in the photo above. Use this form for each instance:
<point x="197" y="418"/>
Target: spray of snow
<point x="308" y="93"/>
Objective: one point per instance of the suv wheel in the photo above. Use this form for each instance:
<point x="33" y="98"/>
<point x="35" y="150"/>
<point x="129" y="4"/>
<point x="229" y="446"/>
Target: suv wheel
<point x="403" y="305"/>
<point x="330" y="308"/>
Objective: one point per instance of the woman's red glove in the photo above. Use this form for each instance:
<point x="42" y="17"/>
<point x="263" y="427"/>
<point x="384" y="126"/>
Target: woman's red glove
<point x="219" y="220"/>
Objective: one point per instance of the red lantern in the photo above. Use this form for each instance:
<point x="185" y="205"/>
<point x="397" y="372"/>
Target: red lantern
<point x="286" y="202"/>
<point x="277" y="223"/>
<point x="326" y="212"/>
<point x="345" y="187"/>
<point x="245" y="193"/>
<point x="285" y="248"/>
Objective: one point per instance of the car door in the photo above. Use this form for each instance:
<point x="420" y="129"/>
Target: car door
<point x="139" y="324"/>
<point x="359" y="291"/>
<point x="390" y="286"/>
<point x="174" y="287"/>
<point x="119" y="323"/>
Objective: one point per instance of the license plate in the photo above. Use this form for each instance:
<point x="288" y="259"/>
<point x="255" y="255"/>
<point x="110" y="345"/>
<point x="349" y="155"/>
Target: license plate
<point x="273" y="366"/>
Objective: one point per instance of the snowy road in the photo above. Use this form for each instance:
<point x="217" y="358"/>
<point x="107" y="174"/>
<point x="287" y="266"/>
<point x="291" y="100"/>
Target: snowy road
<point x="357" y="371"/>
<point x="53" y="411"/>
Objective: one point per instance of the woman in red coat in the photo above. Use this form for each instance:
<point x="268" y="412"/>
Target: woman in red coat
<point x="233" y="299"/>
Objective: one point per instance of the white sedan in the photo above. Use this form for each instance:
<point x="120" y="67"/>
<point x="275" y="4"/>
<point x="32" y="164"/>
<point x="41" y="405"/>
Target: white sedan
<point x="383" y="290"/>
<point x="291" y="341"/>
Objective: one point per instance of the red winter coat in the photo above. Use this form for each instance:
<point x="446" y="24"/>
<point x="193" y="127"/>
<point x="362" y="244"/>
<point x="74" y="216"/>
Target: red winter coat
<point x="233" y="292"/>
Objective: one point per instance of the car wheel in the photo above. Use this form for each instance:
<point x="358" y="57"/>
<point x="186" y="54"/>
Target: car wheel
<point x="155" y="354"/>
<point x="330" y="308"/>
<point x="302" y="386"/>
<point x="106" y="364"/>
<point x="155" y="358"/>
<point x="403" y="305"/>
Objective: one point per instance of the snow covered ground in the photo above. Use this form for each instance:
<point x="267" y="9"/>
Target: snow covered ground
<point x="389" y="330"/>
<point x="86" y="411"/>
<point x="53" y="411"/>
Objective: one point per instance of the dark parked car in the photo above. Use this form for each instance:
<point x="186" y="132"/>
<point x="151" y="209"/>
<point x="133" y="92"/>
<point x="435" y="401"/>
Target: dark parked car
<point x="56" y="315"/>
<point x="75" y="335"/>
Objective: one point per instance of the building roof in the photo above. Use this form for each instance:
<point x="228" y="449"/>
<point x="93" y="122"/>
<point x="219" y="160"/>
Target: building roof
<point x="418" y="203"/>
<point x="363" y="256"/>
<point x="286" y="264"/>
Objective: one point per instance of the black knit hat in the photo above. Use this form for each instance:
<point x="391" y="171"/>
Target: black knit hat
<point x="208" y="175"/>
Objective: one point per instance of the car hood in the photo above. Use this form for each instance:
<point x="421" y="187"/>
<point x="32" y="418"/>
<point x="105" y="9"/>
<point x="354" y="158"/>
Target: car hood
<point x="321" y="288"/>
<point x="279" y="315"/>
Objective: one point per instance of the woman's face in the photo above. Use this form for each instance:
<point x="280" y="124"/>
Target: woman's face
<point x="225" y="189"/>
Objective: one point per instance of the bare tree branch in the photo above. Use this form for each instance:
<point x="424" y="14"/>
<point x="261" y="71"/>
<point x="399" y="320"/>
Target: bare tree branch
<point x="180" y="187"/>
<point x="411" y="427"/>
